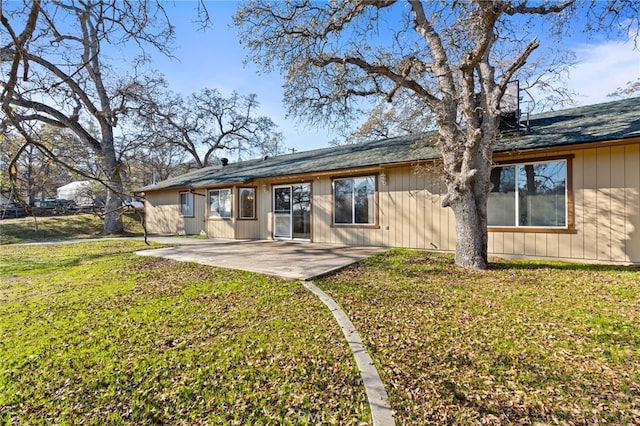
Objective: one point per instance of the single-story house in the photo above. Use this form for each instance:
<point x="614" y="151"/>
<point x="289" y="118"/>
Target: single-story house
<point x="566" y="187"/>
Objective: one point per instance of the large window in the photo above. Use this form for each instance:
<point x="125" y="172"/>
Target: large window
<point x="529" y="195"/>
<point x="186" y="204"/>
<point x="220" y="203"/>
<point x="247" y="203"/>
<point x="354" y="201"/>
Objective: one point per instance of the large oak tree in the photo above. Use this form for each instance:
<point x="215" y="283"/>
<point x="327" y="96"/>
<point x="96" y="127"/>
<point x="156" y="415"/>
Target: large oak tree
<point x="209" y="125"/>
<point x="57" y="70"/>
<point x="454" y="58"/>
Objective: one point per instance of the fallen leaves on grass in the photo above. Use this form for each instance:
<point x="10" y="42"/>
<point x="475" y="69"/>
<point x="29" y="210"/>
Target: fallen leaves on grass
<point x="113" y="338"/>
<point x="522" y="343"/>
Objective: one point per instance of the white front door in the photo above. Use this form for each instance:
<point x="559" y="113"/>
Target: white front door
<point x="282" y="211"/>
<point x="292" y="211"/>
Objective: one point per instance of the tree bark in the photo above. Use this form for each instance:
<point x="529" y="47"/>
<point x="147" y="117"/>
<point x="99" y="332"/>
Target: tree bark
<point x="113" y="204"/>
<point x="113" y="207"/>
<point x="471" y="234"/>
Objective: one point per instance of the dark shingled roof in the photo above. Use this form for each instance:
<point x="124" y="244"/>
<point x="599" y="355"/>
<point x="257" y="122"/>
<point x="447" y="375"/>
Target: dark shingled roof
<point x="588" y="124"/>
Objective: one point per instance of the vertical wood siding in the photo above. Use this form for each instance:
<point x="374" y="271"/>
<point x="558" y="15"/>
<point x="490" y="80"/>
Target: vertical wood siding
<point x="632" y="202"/>
<point x="409" y="214"/>
<point x="265" y="217"/>
<point x="162" y="212"/>
<point x="162" y="209"/>
<point x="247" y="229"/>
<point x="606" y="196"/>
<point x="220" y="228"/>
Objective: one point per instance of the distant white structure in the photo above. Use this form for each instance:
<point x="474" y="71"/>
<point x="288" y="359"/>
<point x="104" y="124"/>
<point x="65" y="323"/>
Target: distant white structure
<point x="5" y="197"/>
<point x="79" y="191"/>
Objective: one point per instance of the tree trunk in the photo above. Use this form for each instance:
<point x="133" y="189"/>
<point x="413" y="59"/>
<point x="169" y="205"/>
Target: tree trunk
<point x="113" y="204"/>
<point x="471" y="231"/>
<point x="113" y="207"/>
<point x="113" y="217"/>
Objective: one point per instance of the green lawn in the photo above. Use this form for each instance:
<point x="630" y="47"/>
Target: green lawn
<point x="90" y="333"/>
<point x="32" y="229"/>
<point x="523" y="343"/>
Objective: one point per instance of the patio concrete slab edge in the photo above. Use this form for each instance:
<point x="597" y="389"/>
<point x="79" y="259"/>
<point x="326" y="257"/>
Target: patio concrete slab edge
<point x="286" y="259"/>
<point x="381" y="412"/>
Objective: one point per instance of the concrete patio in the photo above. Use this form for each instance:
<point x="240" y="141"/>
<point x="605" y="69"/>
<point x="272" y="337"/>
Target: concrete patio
<point x="287" y="259"/>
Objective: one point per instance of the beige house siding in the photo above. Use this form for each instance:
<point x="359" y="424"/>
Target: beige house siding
<point x="606" y="210"/>
<point x="220" y="228"/>
<point x="606" y="195"/>
<point x="162" y="209"/>
<point x="632" y="201"/>
<point x="408" y="215"/>
<point x="264" y="210"/>
<point x="247" y="229"/>
<point x="163" y="216"/>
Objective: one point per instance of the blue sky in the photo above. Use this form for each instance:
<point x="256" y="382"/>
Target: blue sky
<point x="215" y="59"/>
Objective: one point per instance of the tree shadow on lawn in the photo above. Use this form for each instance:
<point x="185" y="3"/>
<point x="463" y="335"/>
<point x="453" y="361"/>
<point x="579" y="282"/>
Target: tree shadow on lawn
<point x="523" y="265"/>
<point x="444" y="263"/>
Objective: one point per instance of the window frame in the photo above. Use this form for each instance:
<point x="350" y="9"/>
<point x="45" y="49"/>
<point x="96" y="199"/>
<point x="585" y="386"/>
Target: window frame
<point x="569" y="227"/>
<point x="219" y="217"/>
<point x="372" y="225"/>
<point x="181" y="204"/>
<point x="255" y="203"/>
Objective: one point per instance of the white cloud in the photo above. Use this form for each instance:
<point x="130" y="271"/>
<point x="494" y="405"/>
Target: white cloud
<point x="602" y="69"/>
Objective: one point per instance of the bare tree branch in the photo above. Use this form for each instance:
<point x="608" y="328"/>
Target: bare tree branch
<point x="456" y="58"/>
<point x="66" y="83"/>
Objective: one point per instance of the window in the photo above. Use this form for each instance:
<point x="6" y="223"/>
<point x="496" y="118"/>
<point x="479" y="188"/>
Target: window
<point x="186" y="204"/>
<point x="247" y="203"/>
<point x="529" y="195"/>
<point x="354" y="201"/>
<point x="220" y="203"/>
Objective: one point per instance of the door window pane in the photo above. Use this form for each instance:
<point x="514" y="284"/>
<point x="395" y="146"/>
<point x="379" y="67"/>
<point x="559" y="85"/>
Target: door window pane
<point x="282" y="226"/>
<point x="282" y="200"/>
<point x="301" y="210"/>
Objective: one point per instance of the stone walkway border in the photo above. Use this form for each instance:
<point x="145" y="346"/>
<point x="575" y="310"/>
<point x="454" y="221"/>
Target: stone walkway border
<point x="381" y="412"/>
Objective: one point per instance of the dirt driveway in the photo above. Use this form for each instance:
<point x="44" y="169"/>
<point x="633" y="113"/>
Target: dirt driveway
<point x="294" y="260"/>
